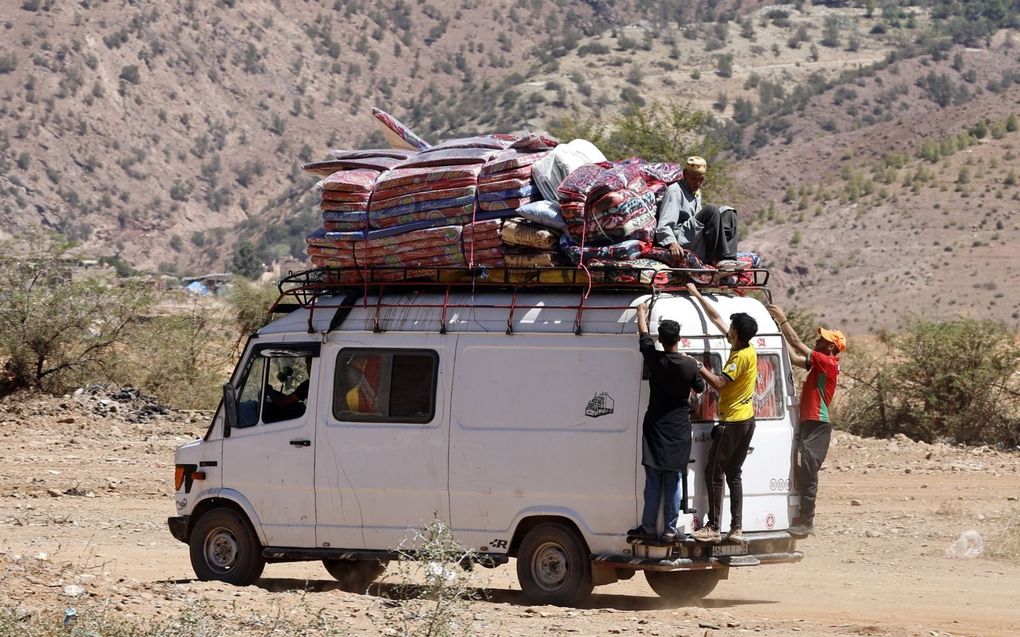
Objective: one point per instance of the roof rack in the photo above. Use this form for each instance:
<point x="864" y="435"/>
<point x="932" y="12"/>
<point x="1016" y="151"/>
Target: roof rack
<point x="304" y="289"/>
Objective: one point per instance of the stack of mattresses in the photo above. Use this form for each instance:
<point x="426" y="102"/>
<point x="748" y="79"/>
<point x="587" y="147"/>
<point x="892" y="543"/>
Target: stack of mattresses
<point x="345" y="196"/>
<point x="433" y="188"/>
<point x="347" y="184"/>
<point x="399" y="255"/>
<point x="505" y="181"/>
<point x="483" y="244"/>
<point x="333" y="249"/>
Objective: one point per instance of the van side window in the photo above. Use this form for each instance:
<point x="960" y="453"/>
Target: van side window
<point x="768" y="391"/>
<point x="373" y="385"/>
<point x="275" y="389"/>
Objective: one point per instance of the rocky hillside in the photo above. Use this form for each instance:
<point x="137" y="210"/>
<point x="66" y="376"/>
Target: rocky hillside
<point x="874" y="156"/>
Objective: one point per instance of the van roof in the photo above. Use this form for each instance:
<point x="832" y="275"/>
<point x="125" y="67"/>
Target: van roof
<point x="523" y="312"/>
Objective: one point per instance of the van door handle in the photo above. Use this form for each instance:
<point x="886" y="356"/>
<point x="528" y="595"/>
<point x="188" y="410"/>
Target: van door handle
<point x="301" y="443"/>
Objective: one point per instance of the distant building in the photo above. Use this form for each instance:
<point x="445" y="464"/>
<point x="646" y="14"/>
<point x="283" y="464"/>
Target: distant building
<point x="208" y="284"/>
<point x="281" y="266"/>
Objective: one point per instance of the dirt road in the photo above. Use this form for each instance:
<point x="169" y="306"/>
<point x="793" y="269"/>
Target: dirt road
<point x="85" y="495"/>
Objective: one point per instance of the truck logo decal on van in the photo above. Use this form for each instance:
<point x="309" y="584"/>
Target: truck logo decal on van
<point x="600" y="405"/>
<point x="498" y="544"/>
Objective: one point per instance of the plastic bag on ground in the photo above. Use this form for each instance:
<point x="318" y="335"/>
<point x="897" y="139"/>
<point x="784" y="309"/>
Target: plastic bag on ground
<point x="968" y="546"/>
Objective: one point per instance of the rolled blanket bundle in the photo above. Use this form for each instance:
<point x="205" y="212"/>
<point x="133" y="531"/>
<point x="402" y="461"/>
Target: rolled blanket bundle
<point x="519" y="233"/>
<point x="625" y="250"/>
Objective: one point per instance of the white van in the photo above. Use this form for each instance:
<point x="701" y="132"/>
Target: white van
<point x="514" y="416"/>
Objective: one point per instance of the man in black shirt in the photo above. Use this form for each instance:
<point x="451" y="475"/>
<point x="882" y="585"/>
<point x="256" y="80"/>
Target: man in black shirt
<point x="666" y="431"/>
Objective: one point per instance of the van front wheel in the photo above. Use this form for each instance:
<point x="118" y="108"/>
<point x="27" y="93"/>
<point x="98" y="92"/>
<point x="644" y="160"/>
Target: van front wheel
<point x="354" y="576"/>
<point x="223" y="547"/>
<point x="553" y="566"/>
<point x="683" y="586"/>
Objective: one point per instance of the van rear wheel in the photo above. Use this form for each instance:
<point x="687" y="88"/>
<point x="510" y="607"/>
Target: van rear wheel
<point x="355" y="576"/>
<point x="553" y="566"/>
<point x="223" y="547"/>
<point x="683" y="586"/>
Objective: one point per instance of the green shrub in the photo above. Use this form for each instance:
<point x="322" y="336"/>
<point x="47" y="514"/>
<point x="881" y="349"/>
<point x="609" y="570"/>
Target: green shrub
<point x="8" y="63"/>
<point x="952" y="381"/>
<point x="181" y="359"/>
<point x="130" y="74"/>
<point x="251" y="302"/>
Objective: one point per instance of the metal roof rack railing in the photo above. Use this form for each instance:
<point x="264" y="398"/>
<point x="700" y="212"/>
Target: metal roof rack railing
<point x="305" y="289"/>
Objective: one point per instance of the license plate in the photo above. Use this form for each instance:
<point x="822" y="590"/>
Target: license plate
<point x="729" y="549"/>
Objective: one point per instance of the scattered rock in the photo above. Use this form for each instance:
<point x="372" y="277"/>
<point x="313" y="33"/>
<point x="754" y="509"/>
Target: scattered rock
<point x="855" y="503"/>
<point x="74" y="590"/>
<point x="56" y="493"/>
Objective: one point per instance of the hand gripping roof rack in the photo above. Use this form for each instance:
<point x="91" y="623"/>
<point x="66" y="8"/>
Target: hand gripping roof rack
<point x="305" y="289"/>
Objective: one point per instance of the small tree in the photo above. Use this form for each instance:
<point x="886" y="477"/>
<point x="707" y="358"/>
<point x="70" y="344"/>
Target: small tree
<point x="54" y="328"/>
<point x="657" y="132"/>
<point x="251" y="303"/>
<point x="246" y="262"/>
<point x="724" y="65"/>
<point x="130" y="74"/>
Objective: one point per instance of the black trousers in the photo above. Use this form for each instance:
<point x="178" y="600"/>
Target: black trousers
<point x="811" y="451"/>
<point x="719" y="233"/>
<point x="730" y="442"/>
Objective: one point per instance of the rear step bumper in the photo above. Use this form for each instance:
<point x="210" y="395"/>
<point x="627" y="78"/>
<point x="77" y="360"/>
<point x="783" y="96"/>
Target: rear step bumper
<point x="774" y="547"/>
<point x="700" y="564"/>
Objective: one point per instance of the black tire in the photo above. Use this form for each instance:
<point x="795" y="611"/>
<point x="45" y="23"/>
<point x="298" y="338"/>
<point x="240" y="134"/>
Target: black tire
<point x="554" y="566"/>
<point x="224" y="548"/>
<point x="355" y="576"/>
<point x="683" y="586"/>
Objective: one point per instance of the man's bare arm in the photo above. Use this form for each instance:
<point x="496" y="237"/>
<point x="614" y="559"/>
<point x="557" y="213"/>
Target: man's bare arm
<point x="642" y="318"/>
<point x="799" y="352"/>
<point x="713" y="379"/>
<point x="710" y="311"/>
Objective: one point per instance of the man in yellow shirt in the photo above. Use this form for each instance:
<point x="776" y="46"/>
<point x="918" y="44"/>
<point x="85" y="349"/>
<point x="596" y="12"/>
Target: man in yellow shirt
<point x="731" y="438"/>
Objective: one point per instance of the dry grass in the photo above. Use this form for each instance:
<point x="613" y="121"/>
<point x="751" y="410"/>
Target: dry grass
<point x="1005" y="542"/>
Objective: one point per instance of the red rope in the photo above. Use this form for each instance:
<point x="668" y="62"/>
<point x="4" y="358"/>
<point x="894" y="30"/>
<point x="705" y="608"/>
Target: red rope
<point x="580" y="261"/>
<point x="474" y="213"/>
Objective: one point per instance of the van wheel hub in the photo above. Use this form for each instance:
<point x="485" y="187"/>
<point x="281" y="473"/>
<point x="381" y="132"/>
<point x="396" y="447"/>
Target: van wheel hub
<point x="550" y="566"/>
<point x="221" y="549"/>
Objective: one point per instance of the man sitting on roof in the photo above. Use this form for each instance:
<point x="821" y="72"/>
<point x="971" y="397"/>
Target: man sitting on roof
<point x="684" y="224"/>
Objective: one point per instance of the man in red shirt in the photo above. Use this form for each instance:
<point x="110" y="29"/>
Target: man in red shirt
<point x="822" y="364"/>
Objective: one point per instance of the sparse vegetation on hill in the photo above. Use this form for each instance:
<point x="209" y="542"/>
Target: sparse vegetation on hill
<point x="168" y="140"/>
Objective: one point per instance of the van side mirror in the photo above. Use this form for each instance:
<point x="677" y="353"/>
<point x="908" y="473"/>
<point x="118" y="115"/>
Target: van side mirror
<point x="229" y="408"/>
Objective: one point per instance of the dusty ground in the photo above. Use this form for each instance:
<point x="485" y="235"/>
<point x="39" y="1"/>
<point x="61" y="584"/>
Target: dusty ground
<point x="84" y="495"/>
